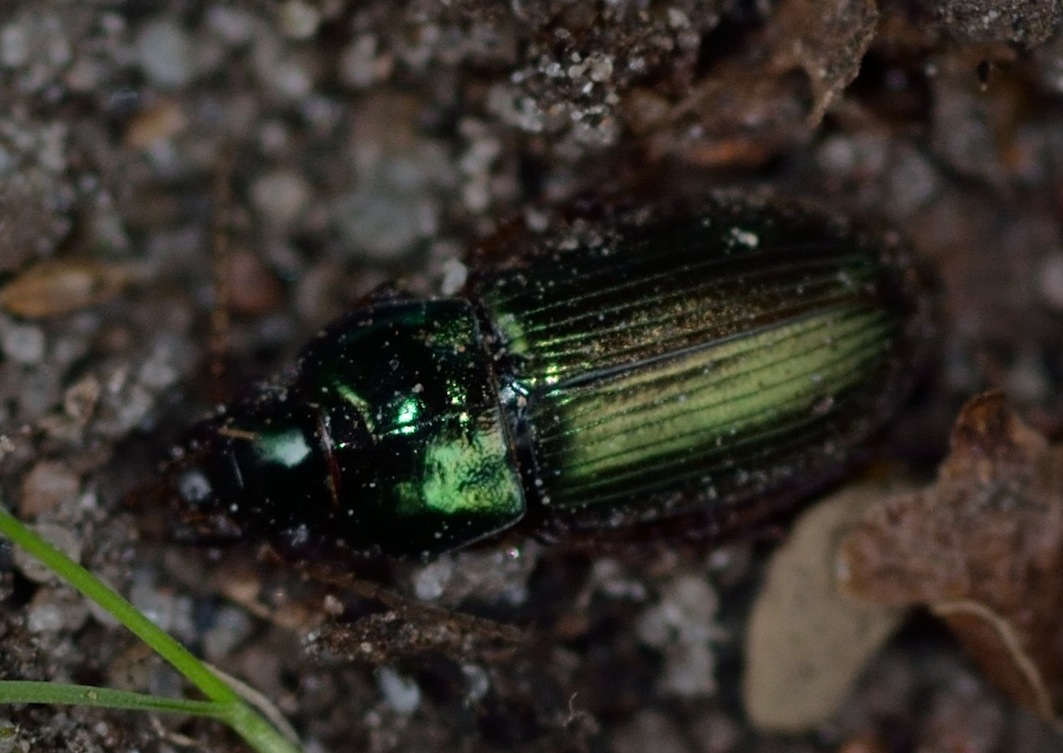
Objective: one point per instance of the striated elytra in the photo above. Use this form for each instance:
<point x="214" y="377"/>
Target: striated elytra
<point x="706" y="360"/>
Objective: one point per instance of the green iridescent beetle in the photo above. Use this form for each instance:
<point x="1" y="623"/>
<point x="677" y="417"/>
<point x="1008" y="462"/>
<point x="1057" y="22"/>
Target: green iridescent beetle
<point x="703" y="361"/>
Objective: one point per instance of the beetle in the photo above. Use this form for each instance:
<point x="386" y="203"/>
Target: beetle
<point x="707" y="359"/>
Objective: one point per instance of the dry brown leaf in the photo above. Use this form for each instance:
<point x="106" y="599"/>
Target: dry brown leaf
<point x="807" y="643"/>
<point x="982" y="548"/>
<point x="827" y="40"/>
<point x="753" y="105"/>
<point x="59" y="286"/>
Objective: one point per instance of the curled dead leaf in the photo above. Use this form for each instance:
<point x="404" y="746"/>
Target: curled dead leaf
<point x="982" y="548"/>
<point x="59" y="286"/>
<point x="827" y="40"/>
<point x="752" y="105"/>
<point x="807" y="642"/>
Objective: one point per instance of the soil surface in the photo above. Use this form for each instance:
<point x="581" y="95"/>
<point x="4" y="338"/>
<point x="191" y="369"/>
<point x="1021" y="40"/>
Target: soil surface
<point x="166" y="166"/>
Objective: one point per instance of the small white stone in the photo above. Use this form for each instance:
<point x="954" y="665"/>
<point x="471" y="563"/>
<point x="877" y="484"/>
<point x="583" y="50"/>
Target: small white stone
<point x="165" y="53"/>
<point x="283" y="72"/>
<point x="360" y="63"/>
<point x="44" y="618"/>
<point x="677" y="19"/>
<point x="280" y="196"/>
<point x="231" y="626"/>
<point x="455" y="273"/>
<point x="477" y="683"/>
<point x="158" y="372"/>
<point x="299" y="20"/>
<point x="601" y="68"/>
<point x="22" y="343"/>
<point x="63" y="539"/>
<point x="402" y="694"/>
<point x="14" y="45"/>
<point x="233" y="25"/>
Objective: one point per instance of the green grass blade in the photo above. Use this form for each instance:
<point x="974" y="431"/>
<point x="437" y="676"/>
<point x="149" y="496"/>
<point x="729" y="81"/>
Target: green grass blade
<point x="92" y="588"/>
<point x="224" y="705"/>
<point x="65" y="694"/>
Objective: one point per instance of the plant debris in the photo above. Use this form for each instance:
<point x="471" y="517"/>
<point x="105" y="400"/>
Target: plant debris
<point x="807" y="642"/>
<point x="60" y="286"/>
<point x="982" y="548"/>
<point x="360" y="142"/>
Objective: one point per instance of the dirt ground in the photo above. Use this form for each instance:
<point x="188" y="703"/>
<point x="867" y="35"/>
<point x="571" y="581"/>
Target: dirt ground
<point x="163" y="163"/>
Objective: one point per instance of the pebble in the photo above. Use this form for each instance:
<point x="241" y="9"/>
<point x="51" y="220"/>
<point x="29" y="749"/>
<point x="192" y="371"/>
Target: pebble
<point x="402" y="694"/>
<point x="44" y="618"/>
<point x="477" y="683"/>
<point x="455" y="273"/>
<point x="62" y="538"/>
<point x="165" y="53"/>
<point x="136" y="408"/>
<point x="159" y="372"/>
<point x="362" y="64"/>
<point x="386" y="224"/>
<point x="682" y="626"/>
<point x="39" y="44"/>
<point x="234" y="26"/>
<point x="229" y="629"/>
<point x="13" y="739"/>
<point x="55" y="610"/>
<point x="48" y="485"/>
<point x="14" y="45"/>
<point x="168" y="611"/>
<point x="299" y="19"/>
<point x="280" y="196"/>
<point x="394" y="205"/>
<point x="22" y="343"/>
<point x="431" y="582"/>
<point x="281" y="71"/>
<point x="500" y="575"/>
